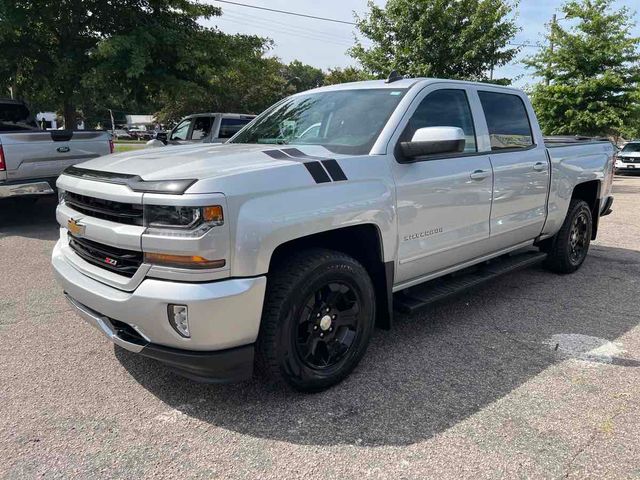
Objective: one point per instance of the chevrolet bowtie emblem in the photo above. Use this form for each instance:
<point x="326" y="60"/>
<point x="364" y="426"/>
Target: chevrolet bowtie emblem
<point x="75" y="228"/>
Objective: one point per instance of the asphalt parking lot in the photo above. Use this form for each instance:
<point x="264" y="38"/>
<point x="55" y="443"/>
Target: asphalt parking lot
<point x="533" y="375"/>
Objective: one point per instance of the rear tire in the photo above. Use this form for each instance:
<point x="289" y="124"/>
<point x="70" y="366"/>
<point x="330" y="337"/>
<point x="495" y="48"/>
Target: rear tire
<point x="317" y="320"/>
<point x="569" y="247"/>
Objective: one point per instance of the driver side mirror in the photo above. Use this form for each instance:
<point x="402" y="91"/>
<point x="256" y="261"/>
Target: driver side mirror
<point x="433" y="141"/>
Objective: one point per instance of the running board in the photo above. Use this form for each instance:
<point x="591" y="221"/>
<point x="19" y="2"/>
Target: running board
<point x="414" y="298"/>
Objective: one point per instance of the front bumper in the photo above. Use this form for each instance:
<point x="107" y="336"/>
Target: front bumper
<point x="23" y="188"/>
<point x="627" y="167"/>
<point x="224" y="319"/>
<point x="220" y="366"/>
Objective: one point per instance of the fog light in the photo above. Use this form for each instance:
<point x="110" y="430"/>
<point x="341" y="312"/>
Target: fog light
<point x="179" y="319"/>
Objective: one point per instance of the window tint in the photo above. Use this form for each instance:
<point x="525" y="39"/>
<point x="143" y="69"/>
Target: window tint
<point x="230" y="126"/>
<point x="201" y="128"/>
<point x="507" y="120"/>
<point x="181" y="131"/>
<point x="444" y="108"/>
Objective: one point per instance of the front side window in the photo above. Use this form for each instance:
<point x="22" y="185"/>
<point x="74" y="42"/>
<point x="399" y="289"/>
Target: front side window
<point x="507" y="120"/>
<point x="342" y="121"/>
<point x="444" y="108"/>
<point x="181" y="131"/>
<point x="230" y="126"/>
<point x="201" y="128"/>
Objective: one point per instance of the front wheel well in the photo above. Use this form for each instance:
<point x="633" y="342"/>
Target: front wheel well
<point x="362" y="242"/>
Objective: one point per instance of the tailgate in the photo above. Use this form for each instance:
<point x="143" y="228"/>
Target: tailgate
<point x="42" y="154"/>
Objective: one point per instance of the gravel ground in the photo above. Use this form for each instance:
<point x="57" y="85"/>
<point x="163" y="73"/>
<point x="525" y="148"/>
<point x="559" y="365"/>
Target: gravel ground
<point x="533" y="375"/>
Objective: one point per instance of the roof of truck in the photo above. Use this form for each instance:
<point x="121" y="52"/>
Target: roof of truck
<point x="405" y="83"/>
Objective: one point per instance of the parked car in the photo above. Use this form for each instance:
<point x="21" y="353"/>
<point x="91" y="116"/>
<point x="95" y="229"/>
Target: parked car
<point x="628" y="158"/>
<point x="140" y="134"/>
<point x="121" y="134"/>
<point x="283" y="250"/>
<point x="204" y="128"/>
<point x="31" y="159"/>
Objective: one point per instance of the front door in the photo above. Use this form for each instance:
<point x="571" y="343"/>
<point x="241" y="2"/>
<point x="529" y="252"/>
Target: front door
<point x="444" y="202"/>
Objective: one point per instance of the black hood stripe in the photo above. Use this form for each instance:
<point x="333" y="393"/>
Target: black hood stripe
<point x="334" y="170"/>
<point x="277" y="154"/>
<point x="317" y="172"/>
<point x="323" y="171"/>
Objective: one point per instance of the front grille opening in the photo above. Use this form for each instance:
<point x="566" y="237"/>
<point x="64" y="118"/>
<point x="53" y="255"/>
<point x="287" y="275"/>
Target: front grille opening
<point x="127" y="333"/>
<point x="128" y="213"/>
<point x="119" y="260"/>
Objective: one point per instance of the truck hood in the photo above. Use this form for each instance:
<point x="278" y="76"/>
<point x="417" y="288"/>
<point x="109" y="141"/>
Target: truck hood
<point x="629" y="154"/>
<point x="198" y="162"/>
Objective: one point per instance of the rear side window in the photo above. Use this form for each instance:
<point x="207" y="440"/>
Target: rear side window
<point x="507" y="120"/>
<point x="444" y="108"/>
<point x="230" y="126"/>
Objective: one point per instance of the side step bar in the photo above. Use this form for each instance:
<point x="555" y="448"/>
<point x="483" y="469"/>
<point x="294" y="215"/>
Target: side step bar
<point x="414" y="298"/>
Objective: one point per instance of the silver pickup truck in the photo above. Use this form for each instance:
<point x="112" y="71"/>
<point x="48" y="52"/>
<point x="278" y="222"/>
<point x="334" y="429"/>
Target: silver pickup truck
<point x="282" y="249"/>
<point x="31" y="159"/>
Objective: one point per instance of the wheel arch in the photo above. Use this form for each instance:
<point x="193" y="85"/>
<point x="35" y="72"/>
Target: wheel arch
<point x="364" y="243"/>
<point x="589" y="191"/>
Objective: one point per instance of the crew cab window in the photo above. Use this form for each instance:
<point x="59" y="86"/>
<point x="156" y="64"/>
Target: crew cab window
<point x="201" y="128"/>
<point x="507" y="120"/>
<point x="230" y="126"/>
<point x="181" y="131"/>
<point x="444" y="108"/>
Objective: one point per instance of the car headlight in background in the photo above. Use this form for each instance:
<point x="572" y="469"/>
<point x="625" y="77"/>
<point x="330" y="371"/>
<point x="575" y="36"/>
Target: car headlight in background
<point x="182" y="221"/>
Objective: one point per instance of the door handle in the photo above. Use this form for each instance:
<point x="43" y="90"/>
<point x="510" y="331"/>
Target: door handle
<point x="479" y="175"/>
<point x="540" y="166"/>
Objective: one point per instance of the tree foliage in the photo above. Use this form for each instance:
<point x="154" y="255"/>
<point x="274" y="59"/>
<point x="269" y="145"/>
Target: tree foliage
<point x="135" y="44"/>
<point x="464" y="39"/>
<point x="344" y="75"/>
<point x="592" y="72"/>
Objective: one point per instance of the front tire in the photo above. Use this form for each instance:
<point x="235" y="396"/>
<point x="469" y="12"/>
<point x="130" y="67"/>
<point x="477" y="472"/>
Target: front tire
<point x="569" y="247"/>
<point x="317" y="320"/>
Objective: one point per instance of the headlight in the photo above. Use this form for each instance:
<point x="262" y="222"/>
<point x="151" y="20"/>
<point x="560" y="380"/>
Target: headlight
<point x="181" y="220"/>
<point x="61" y="196"/>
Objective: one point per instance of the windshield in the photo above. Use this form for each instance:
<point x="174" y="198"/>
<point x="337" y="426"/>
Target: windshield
<point x="631" y="148"/>
<point x="343" y="121"/>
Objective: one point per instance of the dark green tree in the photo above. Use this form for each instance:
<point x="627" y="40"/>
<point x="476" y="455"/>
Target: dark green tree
<point x="53" y="48"/>
<point x="301" y="76"/>
<point x="344" y="75"/>
<point x="591" y="73"/>
<point x="465" y="39"/>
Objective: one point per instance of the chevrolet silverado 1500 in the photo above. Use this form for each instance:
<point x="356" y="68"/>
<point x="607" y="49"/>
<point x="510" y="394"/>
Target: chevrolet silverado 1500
<point x="282" y="249"/>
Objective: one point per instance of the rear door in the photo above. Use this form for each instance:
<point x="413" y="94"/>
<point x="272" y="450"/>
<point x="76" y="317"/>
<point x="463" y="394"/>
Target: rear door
<point x="443" y="202"/>
<point x="520" y="168"/>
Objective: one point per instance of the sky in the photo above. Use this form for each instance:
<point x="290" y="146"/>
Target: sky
<point x="324" y="44"/>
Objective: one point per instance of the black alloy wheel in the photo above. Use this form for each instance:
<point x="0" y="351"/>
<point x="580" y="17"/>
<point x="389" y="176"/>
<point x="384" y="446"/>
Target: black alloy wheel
<point x="328" y="325"/>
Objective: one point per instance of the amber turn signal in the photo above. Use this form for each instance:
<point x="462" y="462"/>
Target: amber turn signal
<point x="213" y="214"/>
<point x="183" y="261"/>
